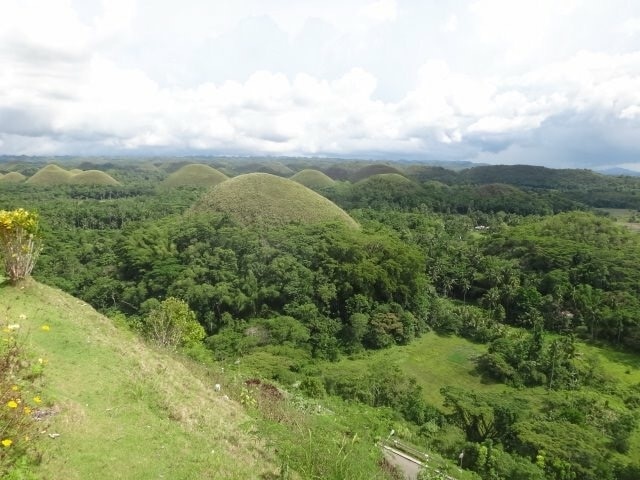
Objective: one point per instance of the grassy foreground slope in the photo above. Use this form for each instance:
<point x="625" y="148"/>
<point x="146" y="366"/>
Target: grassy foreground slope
<point x="124" y="410"/>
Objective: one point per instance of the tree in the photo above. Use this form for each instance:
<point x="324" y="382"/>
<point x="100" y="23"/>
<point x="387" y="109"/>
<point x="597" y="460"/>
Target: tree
<point x="172" y="324"/>
<point x="19" y="243"/>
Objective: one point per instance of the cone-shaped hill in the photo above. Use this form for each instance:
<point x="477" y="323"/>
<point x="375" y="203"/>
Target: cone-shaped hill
<point x="16" y="177"/>
<point x="374" y="169"/>
<point x="50" y="175"/>
<point x="264" y="200"/>
<point x="93" y="177"/>
<point x="195" y="175"/>
<point x="314" y="179"/>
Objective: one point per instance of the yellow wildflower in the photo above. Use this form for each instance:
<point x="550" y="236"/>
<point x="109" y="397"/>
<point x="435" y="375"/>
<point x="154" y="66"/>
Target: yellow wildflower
<point x="37" y="399"/>
<point x="6" y="442"/>
<point x="45" y="328"/>
<point x="27" y="410"/>
<point x="15" y="388"/>
<point x="12" y="404"/>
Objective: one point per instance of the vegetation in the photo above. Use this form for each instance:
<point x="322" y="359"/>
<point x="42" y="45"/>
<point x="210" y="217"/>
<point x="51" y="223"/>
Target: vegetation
<point x="488" y="313"/>
<point x="19" y="243"/>
<point x="20" y="400"/>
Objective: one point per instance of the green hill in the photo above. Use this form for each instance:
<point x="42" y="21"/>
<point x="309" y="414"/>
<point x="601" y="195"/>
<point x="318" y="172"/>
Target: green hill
<point x="12" y="177"/>
<point x="261" y="199"/>
<point x="50" y="175"/>
<point x="93" y="177"/>
<point x="373" y="169"/>
<point x="197" y="175"/>
<point x="123" y="410"/>
<point x="314" y="179"/>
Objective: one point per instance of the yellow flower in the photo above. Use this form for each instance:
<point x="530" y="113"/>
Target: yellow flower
<point x="6" y="442"/>
<point x="22" y="316"/>
<point x="37" y="399"/>
<point x="27" y="410"/>
<point x="12" y="404"/>
<point x="15" y="388"/>
<point x="45" y="328"/>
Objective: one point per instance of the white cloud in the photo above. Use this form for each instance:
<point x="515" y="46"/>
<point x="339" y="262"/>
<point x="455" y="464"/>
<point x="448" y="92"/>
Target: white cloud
<point x="98" y="81"/>
<point x="451" y="25"/>
<point x="381" y="11"/>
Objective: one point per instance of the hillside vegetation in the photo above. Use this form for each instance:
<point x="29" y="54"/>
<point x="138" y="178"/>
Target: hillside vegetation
<point x="124" y="410"/>
<point x="494" y="318"/>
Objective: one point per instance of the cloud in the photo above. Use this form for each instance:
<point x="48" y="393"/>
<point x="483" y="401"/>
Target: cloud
<point x="380" y="11"/>
<point x="395" y="85"/>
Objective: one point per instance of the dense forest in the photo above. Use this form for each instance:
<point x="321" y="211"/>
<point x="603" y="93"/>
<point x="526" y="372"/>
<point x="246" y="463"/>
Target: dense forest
<point x="530" y="264"/>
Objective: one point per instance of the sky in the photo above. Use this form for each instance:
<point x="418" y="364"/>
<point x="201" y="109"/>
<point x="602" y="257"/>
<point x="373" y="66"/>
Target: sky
<point x="545" y="82"/>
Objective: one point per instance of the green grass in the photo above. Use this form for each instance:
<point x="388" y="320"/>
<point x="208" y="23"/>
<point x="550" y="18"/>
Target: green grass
<point x="623" y="215"/>
<point x="93" y="177"/>
<point x="197" y="175"/>
<point x="123" y="409"/>
<point x="435" y="361"/>
<point x="264" y="200"/>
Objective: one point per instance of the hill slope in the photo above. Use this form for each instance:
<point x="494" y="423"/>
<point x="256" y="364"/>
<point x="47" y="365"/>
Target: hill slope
<point x="92" y="177"/>
<point x="50" y="175"/>
<point x="197" y="175"/>
<point x="261" y="199"/>
<point x="125" y="410"/>
<point x="313" y="179"/>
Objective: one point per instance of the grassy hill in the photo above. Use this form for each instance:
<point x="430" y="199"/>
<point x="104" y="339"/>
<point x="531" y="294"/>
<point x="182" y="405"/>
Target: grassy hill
<point x="373" y="169"/>
<point x="124" y="410"/>
<point x="93" y="177"/>
<point x="12" y="177"/>
<point x="314" y="179"/>
<point x="50" y="175"/>
<point x="197" y="175"/>
<point x="260" y="199"/>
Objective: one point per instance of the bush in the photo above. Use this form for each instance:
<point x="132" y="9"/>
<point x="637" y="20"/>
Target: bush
<point x="172" y="324"/>
<point x="19" y="244"/>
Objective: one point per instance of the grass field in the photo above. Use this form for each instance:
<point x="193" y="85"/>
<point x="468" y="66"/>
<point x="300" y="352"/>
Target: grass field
<point x="624" y="216"/>
<point x="122" y="409"/>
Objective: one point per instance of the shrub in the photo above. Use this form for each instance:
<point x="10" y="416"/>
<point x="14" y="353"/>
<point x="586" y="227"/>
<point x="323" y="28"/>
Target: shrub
<point x="172" y="324"/>
<point x="19" y="243"/>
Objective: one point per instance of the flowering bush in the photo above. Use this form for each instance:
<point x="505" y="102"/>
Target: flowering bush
<point x="19" y="403"/>
<point x="19" y="242"/>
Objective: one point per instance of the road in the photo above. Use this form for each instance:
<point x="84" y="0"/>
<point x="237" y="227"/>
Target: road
<point x="408" y="465"/>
